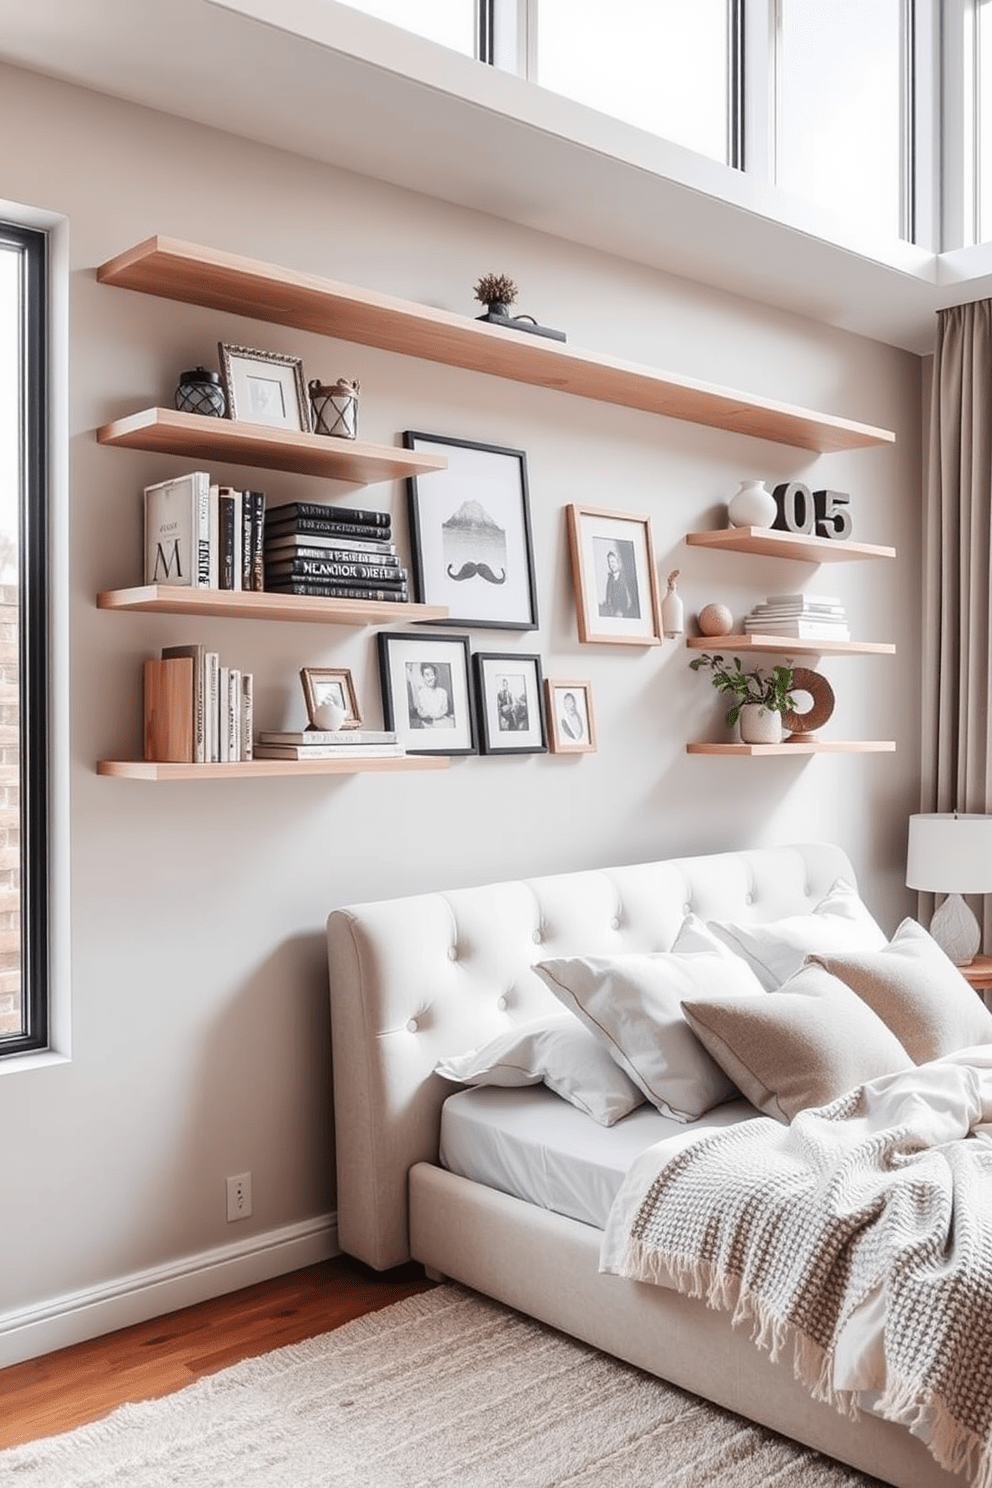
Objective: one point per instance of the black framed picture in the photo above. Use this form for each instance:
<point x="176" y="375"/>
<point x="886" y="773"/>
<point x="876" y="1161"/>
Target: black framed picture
<point x="511" y="703"/>
<point x="426" y="691"/>
<point x="470" y="533"/>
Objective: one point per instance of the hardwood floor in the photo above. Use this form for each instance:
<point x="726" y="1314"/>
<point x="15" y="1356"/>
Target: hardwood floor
<point x="66" y="1389"/>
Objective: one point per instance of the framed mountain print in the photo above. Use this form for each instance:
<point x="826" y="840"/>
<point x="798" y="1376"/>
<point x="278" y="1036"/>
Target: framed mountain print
<point x="470" y="534"/>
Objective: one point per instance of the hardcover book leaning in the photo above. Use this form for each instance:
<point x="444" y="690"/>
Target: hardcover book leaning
<point x="177" y="531"/>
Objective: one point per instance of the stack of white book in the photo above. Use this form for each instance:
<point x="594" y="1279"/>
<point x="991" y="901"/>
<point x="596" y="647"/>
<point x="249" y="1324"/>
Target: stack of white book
<point x="807" y="617"/>
<point x="317" y="744"/>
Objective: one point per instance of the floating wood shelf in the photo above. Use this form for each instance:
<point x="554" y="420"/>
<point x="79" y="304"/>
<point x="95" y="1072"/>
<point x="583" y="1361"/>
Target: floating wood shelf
<point x="254" y="769"/>
<point x="244" y="286"/>
<point x="789" y="645"/>
<point x="166" y="599"/>
<point x="816" y="746"/>
<point x="169" y="432"/>
<point x="769" y="543"/>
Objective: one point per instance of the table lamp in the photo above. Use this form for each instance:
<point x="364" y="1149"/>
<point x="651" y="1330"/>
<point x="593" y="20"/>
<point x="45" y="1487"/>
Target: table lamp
<point x="951" y="853"/>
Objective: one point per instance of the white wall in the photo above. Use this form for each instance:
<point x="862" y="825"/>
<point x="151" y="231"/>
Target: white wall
<point x="199" y="998"/>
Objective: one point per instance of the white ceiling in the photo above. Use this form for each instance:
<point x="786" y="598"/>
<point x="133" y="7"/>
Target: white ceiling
<point x="320" y="79"/>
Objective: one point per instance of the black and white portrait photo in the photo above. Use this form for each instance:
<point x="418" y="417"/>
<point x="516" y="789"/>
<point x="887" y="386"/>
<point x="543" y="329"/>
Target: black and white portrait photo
<point x="616" y="576"/>
<point x="429" y="695"/>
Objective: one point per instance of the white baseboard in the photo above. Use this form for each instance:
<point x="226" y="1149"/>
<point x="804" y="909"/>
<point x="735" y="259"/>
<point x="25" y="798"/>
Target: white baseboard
<point x="76" y="1316"/>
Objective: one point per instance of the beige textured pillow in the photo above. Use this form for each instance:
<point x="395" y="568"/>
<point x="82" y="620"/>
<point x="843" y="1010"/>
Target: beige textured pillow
<point x="918" y="992"/>
<point x="801" y="1046"/>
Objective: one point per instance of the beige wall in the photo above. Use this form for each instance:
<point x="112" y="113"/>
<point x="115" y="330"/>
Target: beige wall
<point x="199" y="998"/>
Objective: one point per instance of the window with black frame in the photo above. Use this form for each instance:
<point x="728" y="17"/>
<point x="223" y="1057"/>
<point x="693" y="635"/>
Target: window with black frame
<point x="24" y="611"/>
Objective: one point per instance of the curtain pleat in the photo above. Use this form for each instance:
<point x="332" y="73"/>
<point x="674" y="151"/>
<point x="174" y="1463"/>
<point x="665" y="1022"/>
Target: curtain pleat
<point x="956" y="770"/>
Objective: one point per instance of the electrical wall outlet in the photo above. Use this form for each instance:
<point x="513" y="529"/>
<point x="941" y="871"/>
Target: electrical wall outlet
<point x="239" y="1196"/>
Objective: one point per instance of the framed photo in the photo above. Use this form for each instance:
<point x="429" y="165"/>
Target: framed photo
<point x="264" y="387"/>
<point x="511" y="704"/>
<point x="470" y="534"/>
<point x="613" y="568"/>
<point x="331" y="689"/>
<point x="426" y="692"/>
<point x="571" y="726"/>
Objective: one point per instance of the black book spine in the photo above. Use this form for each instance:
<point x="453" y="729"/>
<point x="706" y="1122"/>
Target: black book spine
<point x="276" y="527"/>
<point x="319" y="568"/>
<point x="350" y="514"/>
<point x="228" y="540"/>
<point x="276" y="557"/>
<point x="255" y="525"/>
<point x="330" y="590"/>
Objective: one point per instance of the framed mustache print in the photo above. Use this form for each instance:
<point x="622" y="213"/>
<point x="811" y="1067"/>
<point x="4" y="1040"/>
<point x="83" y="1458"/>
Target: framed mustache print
<point x="470" y="534"/>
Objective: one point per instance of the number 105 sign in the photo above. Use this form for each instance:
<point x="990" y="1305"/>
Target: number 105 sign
<point x="824" y="513"/>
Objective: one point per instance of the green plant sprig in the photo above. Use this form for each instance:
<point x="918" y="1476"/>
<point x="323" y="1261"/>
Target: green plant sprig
<point x="773" y="690"/>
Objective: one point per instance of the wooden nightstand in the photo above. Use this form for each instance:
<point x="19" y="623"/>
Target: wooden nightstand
<point x="978" y="972"/>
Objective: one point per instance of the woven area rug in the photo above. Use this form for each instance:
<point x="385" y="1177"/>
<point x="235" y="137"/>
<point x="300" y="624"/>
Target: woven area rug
<point x="444" y="1388"/>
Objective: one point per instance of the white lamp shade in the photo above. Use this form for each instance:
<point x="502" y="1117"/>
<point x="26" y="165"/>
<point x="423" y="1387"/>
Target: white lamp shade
<point x="950" y="853"/>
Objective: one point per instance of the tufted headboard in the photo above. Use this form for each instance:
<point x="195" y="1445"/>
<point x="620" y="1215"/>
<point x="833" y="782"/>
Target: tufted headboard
<point x="417" y="978"/>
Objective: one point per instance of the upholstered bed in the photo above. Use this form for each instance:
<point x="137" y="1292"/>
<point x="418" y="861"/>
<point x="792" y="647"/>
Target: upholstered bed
<point x="415" y="980"/>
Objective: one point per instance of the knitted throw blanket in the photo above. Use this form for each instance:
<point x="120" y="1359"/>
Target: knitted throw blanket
<point x="790" y="1228"/>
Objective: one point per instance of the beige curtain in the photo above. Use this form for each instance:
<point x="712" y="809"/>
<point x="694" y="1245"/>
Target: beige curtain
<point x="957" y="602"/>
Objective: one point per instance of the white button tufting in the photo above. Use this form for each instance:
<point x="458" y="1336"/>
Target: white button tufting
<point x="748" y="898"/>
<point x="412" y="1026"/>
<point x="538" y="937"/>
<point x="615" y="923"/>
<point x="687" y="908"/>
<point x="452" y="953"/>
<point x="501" y="1004"/>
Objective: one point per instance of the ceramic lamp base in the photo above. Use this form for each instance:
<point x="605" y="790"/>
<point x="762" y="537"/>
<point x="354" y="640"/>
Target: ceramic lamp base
<point x="956" y="930"/>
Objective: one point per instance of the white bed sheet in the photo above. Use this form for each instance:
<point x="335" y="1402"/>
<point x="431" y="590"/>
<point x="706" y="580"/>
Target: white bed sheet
<point x="532" y="1144"/>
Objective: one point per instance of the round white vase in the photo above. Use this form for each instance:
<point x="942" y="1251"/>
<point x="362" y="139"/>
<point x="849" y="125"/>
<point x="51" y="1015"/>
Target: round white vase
<point x="759" y="725"/>
<point x="752" y="506"/>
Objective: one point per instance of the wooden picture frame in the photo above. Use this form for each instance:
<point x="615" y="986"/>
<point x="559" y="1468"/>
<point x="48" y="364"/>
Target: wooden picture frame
<point x="571" y="723"/>
<point x="264" y="387"/>
<point x="331" y="685"/>
<point x="615" y="578"/>
<point x="470" y="533"/>
<point x="511" y="703"/>
<point x="426" y="691"/>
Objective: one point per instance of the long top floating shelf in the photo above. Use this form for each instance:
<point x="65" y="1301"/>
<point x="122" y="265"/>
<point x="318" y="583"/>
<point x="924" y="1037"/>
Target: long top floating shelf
<point x="173" y="599"/>
<point x="768" y="542"/>
<point x="164" y="429"/>
<point x="224" y="281"/>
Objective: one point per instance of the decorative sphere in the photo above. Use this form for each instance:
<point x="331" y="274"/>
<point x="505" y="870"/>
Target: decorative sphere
<point x="715" y="620"/>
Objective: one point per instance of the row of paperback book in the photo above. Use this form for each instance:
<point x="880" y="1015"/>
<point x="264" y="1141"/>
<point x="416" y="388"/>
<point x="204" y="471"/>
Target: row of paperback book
<point x="196" y="710"/>
<point x="203" y="536"/>
<point x="806" y="617"/>
<point x="336" y="552"/>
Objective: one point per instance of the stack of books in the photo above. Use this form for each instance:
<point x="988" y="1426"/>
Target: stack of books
<point x="337" y="552"/>
<point x="313" y="744"/>
<point x="203" y="536"/>
<point x="196" y="710"/>
<point x="807" y="617"/>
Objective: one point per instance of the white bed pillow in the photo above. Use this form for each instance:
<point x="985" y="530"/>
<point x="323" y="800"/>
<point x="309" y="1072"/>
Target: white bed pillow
<point x="633" y="1005"/>
<point x="557" y="1052"/>
<point x="840" y="924"/>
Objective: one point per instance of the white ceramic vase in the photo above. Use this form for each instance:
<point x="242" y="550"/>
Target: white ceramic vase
<point x="752" y="506"/>
<point x="759" y="725"/>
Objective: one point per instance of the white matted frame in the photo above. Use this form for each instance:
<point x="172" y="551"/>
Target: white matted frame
<point x="613" y="568"/>
<point x="470" y="533"/>
<point x="511" y="703"/>
<point x="426" y="691"/>
<point x="264" y="387"/>
<point x="571" y="724"/>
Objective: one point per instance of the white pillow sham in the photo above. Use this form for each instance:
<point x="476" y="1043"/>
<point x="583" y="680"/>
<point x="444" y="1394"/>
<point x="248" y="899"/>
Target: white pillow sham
<point x="840" y="923"/>
<point x="557" y="1052"/>
<point x="633" y="1005"/>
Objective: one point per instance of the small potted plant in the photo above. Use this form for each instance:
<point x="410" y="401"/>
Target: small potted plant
<point x="497" y="292"/>
<point x="760" y="698"/>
